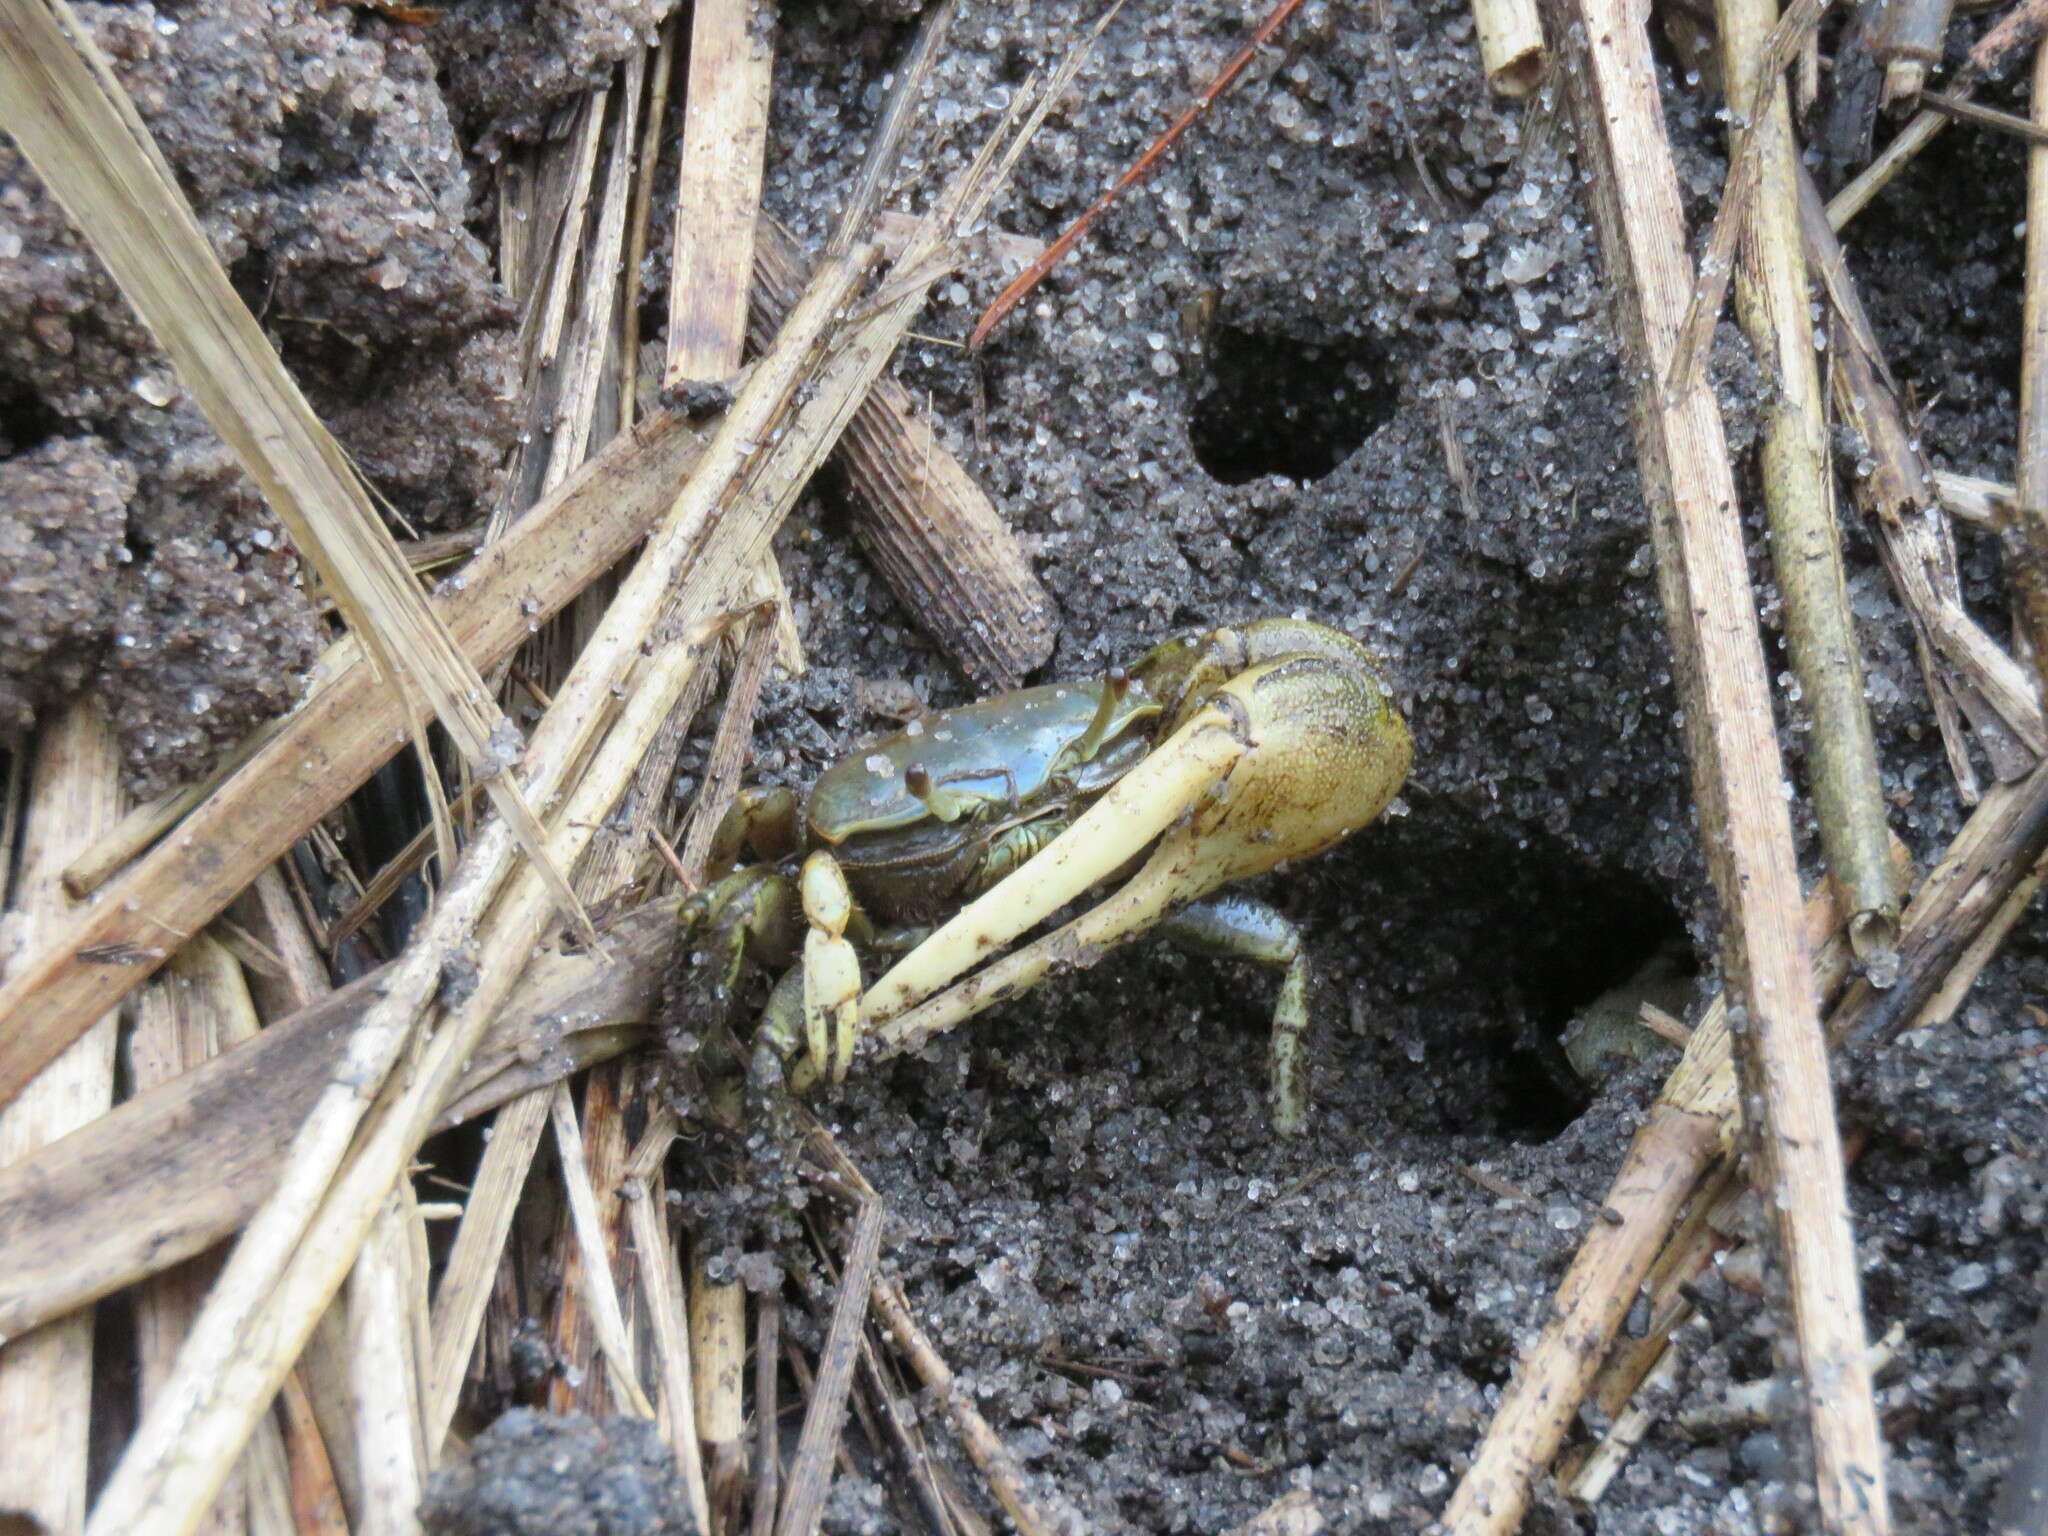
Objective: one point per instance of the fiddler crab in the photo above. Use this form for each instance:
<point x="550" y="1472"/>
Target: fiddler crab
<point x="1213" y="759"/>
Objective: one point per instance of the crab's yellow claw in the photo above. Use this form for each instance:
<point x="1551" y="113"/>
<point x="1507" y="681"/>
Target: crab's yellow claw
<point x="831" y="969"/>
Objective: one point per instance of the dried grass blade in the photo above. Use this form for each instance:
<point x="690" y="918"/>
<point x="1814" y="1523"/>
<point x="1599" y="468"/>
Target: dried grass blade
<point x="465" y="1286"/>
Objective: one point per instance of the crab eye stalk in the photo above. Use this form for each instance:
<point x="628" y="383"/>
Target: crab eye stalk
<point x="1114" y="689"/>
<point x="943" y="804"/>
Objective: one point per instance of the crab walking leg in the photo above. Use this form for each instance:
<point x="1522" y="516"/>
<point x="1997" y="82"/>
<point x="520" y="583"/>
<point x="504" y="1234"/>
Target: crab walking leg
<point x="1244" y="928"/>
<point x="1102" y="839"/>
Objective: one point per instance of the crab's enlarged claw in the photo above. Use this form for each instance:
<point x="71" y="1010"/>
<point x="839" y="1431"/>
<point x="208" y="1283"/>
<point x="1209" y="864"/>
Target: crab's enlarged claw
<point x="831" y="969"/>
<point x="1321" y="749"/>
<point x="1105" y="837"/>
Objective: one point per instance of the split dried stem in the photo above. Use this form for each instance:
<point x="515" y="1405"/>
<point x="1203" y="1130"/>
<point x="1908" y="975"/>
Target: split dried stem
<point x="465" y="1286"/>
<point x="601" y="1293"/>
<point x="810" y="1473"/>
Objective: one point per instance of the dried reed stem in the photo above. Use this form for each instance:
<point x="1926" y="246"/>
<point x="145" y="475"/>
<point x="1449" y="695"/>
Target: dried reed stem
<point x="198" y="1006"/>
<point x="2024" y="532"/>
<point x="1738" y="777"/>
<point x="718" y="198"/>
<point x="1510" y="45"/>
<point x="1898" y="495"/>
<point x="661" y="1282"/>
<point x="810" y="1473"/>
<point x="384" y="1380"/>
<point x="1806" y="550"/>
<point x="921" y="515"/>
<point x="465" y="1286"/>
<point x="731" y="746"/>
<point x="767" y="1417"/>
<point x="601" y="1293"/>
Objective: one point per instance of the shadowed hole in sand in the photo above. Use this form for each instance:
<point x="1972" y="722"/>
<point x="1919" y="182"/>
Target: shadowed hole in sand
<point x="1273" y="405"/>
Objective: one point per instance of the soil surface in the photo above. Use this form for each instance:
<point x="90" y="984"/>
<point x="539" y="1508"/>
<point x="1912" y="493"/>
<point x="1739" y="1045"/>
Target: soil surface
<point x="1256" y="389"/>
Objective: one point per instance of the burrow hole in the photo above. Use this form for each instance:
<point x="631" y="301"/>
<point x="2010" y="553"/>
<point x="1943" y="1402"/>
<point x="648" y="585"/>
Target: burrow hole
<point x="1273" y="405"/>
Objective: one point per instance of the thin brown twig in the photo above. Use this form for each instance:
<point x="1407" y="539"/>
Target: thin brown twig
<point x="1145" y="164"/>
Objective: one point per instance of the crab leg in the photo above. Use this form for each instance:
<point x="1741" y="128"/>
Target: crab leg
<point x="1105" y="837"/>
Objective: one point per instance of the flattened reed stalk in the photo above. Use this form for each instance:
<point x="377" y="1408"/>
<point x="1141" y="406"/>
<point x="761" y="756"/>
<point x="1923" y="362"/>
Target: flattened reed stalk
<point x="718" y="195"/>
<point x="661" y="1282"/>
<point x="46" y="1378"/>
<point x="1738" y="777"/>
<point x="384" y="1379"/>
<point x="636" y="232"/>
<point x="1772" y="297"/>
<point x="731" y="746"/>
<point x="465" y="1286"/>
<point x="293" y="1254"/>
<point x="767" y="1416"/>
<point x="348" y="724"/>
<point x="1717" y="261"/>
<point x="65" y="108"/>
<point x="920" y="514"/>
<point x="591" y="344"/>
<point x="197" y="1007"/>
<point x="315" y="1499"/>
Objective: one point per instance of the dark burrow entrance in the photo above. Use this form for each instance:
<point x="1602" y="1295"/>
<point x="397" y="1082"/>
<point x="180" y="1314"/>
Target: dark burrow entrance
<point x="1491" y="948"/>
<point x="1272" y="405"/>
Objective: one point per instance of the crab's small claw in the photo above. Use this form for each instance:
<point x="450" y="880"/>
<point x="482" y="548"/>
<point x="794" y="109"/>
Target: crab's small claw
<point x="831" y="969"/>
<point x="1307" y="749"/>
